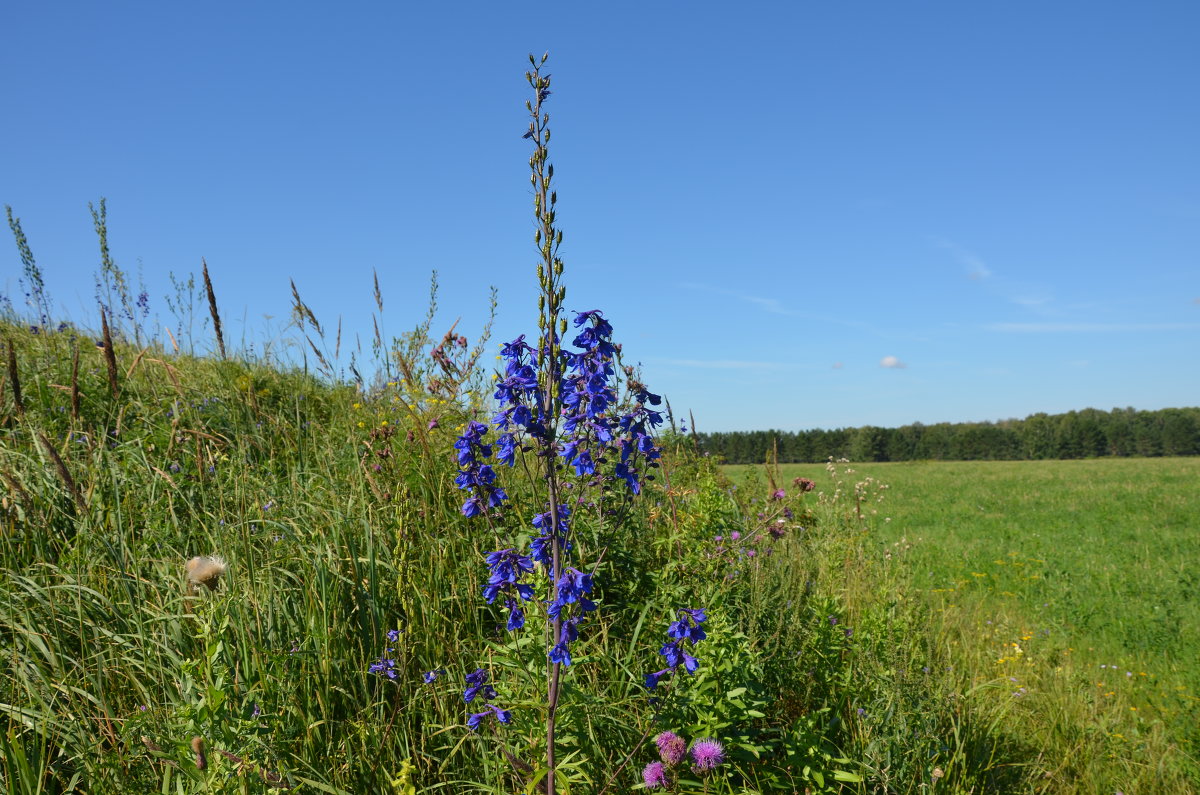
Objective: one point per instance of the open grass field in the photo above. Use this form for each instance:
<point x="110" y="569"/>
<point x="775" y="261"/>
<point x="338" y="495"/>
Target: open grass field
<point x="1079" y="577"/>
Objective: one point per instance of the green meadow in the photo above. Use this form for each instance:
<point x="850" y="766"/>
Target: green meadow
<point x="1075" y="582"/>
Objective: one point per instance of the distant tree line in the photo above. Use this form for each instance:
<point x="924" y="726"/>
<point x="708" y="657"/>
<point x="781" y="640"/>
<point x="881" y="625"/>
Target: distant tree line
<point x="1077" y="434"/>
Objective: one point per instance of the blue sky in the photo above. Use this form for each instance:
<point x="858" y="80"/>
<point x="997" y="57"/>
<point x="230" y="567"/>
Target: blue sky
<point x="795" y="214"/>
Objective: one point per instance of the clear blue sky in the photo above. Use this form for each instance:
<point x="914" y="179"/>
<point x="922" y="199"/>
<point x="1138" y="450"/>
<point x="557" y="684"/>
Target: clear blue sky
<point x="772" y="202"/>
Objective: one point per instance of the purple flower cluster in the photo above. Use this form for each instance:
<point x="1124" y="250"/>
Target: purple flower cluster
<point x="474" y="475"/>
<point x="707" y="754"/>
<point x="687" y="628"/>
<point x="520" y="399"/>
<point x="592" y="430"/>
<point x="573" y="588"/>
<point x="507" y="567"/>
<point x="589" y="434"/>
<point x="571" y="603"/>
<point x="477" y="687"/>
<point x="386" y="666"/>
<point x="540" y="547"/>
<point x="589" y="393"/>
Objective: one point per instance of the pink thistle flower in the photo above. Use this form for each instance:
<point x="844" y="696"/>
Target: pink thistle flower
<point x="671" y="748"/>
<point x="654" y="775"/>
<point x="707" y="754"/>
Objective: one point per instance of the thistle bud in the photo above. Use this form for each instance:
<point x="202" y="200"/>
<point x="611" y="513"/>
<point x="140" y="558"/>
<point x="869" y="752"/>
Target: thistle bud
<point x="205" y="571"/>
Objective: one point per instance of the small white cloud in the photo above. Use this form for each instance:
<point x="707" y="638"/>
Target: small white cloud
<point x="837" y="365"/>
<point x="892" y="363"/>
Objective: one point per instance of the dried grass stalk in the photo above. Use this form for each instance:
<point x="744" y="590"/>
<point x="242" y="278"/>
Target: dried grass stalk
<point x="75" y="383"/>
<point x="212" y="308"/>
<point x="64" y="474"/>
<point x="110" y="355"/>
<point x="15" y="379"/>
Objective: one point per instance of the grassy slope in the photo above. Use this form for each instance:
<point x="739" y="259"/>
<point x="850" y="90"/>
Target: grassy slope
<point x="339" y="519"/>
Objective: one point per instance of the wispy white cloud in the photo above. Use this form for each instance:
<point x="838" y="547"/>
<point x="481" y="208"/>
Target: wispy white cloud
<point x="1031" y="301"/>
<point x="977" y="269"/>
<point x="728" y="364"/>
<point x="771" y="305"/>
<point x="1039" y="328"/>
<point x="892" y="363"/>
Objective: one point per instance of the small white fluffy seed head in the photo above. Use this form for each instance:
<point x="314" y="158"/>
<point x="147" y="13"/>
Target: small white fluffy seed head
<point x="206" y="571"/>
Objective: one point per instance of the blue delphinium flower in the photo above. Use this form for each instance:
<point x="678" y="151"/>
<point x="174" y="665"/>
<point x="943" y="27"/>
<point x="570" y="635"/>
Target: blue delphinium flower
<point x="573" y="587"/>
<point x="587" y="393"/>
<point x="589" y="398"/>
<point x="520" y="399"/>
<point x="507" y="566"/>
<point x="475" y="718"/>
<point x="386" y="667"/>
<point x="685" y="628"/>
<point x="477" y="687"/>
<point x="432" y="676"/>
<point x="474" y="475"/>
<point x="540" y="547"/>
<point x="560" y="652"/>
